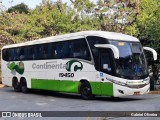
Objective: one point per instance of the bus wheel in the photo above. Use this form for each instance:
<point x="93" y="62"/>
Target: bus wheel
<point x="24" y="86"/>
<point x="85" y="91"/>
<point x="16" y="85"/>
<point x="115" y="98"/>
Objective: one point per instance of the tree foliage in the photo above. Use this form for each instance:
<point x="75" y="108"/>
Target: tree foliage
<point x="21" y="8"/>
<point x="146" y="27"/>
<point x="140" y="18"/>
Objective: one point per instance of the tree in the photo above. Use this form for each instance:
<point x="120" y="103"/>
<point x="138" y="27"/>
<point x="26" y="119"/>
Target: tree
<point x="116" y="15"/>
<point x="135" y="17"/>
<point x="146" y="27"/>
<point x="21" y="8"/>
<point x="83" y="17"/>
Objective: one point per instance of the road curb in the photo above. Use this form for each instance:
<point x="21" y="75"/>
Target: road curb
<point x="2" y="86"/>
<point x="154" y="92"/>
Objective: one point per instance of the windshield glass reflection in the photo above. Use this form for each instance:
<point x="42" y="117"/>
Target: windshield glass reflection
<point x="132" y="63"/>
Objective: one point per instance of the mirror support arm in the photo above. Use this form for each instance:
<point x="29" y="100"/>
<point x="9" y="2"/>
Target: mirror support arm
<point x="112" y="47"/>
<point x="153" y="52"/>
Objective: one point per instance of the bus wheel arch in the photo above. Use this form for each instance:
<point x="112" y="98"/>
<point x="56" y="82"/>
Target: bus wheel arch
<point x="16" y="84"/>
<point x="23" y="85"/>
<point x="85" y="89"/>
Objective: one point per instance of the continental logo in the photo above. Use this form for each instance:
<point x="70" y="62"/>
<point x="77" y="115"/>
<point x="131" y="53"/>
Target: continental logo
<point x="19" y="68"/>
<point x="74" y="65"/>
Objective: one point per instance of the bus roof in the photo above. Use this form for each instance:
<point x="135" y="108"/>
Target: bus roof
<point x="108" y="35"/>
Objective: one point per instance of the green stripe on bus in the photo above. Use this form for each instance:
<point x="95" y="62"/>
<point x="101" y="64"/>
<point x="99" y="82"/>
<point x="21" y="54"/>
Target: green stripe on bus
<point x="102" y="88"/>
<point x="98" y="88"/>
<point x="55" y="85"/>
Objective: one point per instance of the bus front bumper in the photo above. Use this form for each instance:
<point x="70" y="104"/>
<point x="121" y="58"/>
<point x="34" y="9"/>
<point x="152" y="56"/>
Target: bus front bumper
<point x="127" y="90"/>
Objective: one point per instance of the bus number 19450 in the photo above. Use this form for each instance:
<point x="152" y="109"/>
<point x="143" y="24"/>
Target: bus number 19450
<point x="66" y="74"/>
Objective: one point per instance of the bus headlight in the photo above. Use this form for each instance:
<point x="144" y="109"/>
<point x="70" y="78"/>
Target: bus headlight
<point x="117" y="82"/>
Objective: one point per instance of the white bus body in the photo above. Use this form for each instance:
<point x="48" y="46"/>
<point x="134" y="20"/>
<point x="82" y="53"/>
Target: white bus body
<point x="88" y="62"/>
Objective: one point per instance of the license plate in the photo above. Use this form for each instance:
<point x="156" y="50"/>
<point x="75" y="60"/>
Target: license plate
<point x="136" y="93"/>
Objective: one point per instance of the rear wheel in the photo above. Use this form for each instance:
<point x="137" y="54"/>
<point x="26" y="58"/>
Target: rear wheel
<point x="16" y="85"/>
<point x="24" y="88"/>
<point x="85" y="91"/>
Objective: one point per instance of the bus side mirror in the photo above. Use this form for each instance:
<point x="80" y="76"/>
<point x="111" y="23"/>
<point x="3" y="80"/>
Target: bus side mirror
<point x="153" y="52"/>
<point x="112" y="47"/>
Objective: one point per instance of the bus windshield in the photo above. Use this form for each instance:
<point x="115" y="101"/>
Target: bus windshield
<point x="131" y="63"/>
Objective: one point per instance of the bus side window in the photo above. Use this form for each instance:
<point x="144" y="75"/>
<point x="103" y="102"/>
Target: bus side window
<point x="11" y="54"/>
<point x="36" y="52"/>
<point x="31" y="53"/>
<point x="49" y="51"/>
<point x="62" y="50"/>
<point x="45" y="51"/>
<point x="59" y="50"/>
<point x="53" y="51"/>
<point x="92" y="40"/>
<point x="65" y="50"/>
<point x="16" y="54"/>
<point x="81" y="49"/>
<point x="40" y="51"/>
<point x="25" y="53"/>
<point x="21" y="53"/>
<point x="5" y="54"/>
<point x="71" y="49"/>
<point x="105" y="62"/>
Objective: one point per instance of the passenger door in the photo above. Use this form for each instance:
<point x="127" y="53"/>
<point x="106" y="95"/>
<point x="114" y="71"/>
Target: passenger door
<point x="106" y="67"/>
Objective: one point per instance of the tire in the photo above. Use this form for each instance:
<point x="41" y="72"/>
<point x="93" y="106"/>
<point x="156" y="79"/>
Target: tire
<point x="115" y="98"/>
<point x="16" y="85"/>
<point x="24" y="88"/>
<point x="85" y="91"/>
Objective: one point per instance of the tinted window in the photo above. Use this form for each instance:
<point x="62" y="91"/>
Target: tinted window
<point x="42" y="52"/>
<point x="58" y="50"/>
<point x="16" y="53"/>
<point x="11" y="54"/>
<point x="22" y="53"/>
<point x="92" y="40"/>
<point x="71" y="49"/>
<point x="52" y="51"/>
<point x="5" y="54"/>
<point x="105" y="63"/>
<point x="31" y="53"/>
<point x="79" y="49"/>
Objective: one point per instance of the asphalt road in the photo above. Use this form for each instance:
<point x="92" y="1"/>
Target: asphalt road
<point x="51" y="101"/>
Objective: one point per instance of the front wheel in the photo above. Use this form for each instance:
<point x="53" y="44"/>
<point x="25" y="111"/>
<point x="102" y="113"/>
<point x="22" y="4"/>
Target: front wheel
<point x="85" y="91"/>
<point x="115" y="98"/>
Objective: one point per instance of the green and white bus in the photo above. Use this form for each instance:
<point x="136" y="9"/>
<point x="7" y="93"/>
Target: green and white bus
<point x="89" y="63"/>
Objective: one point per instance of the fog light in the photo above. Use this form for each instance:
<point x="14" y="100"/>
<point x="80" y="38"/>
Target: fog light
<point x="120" y="91"/>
